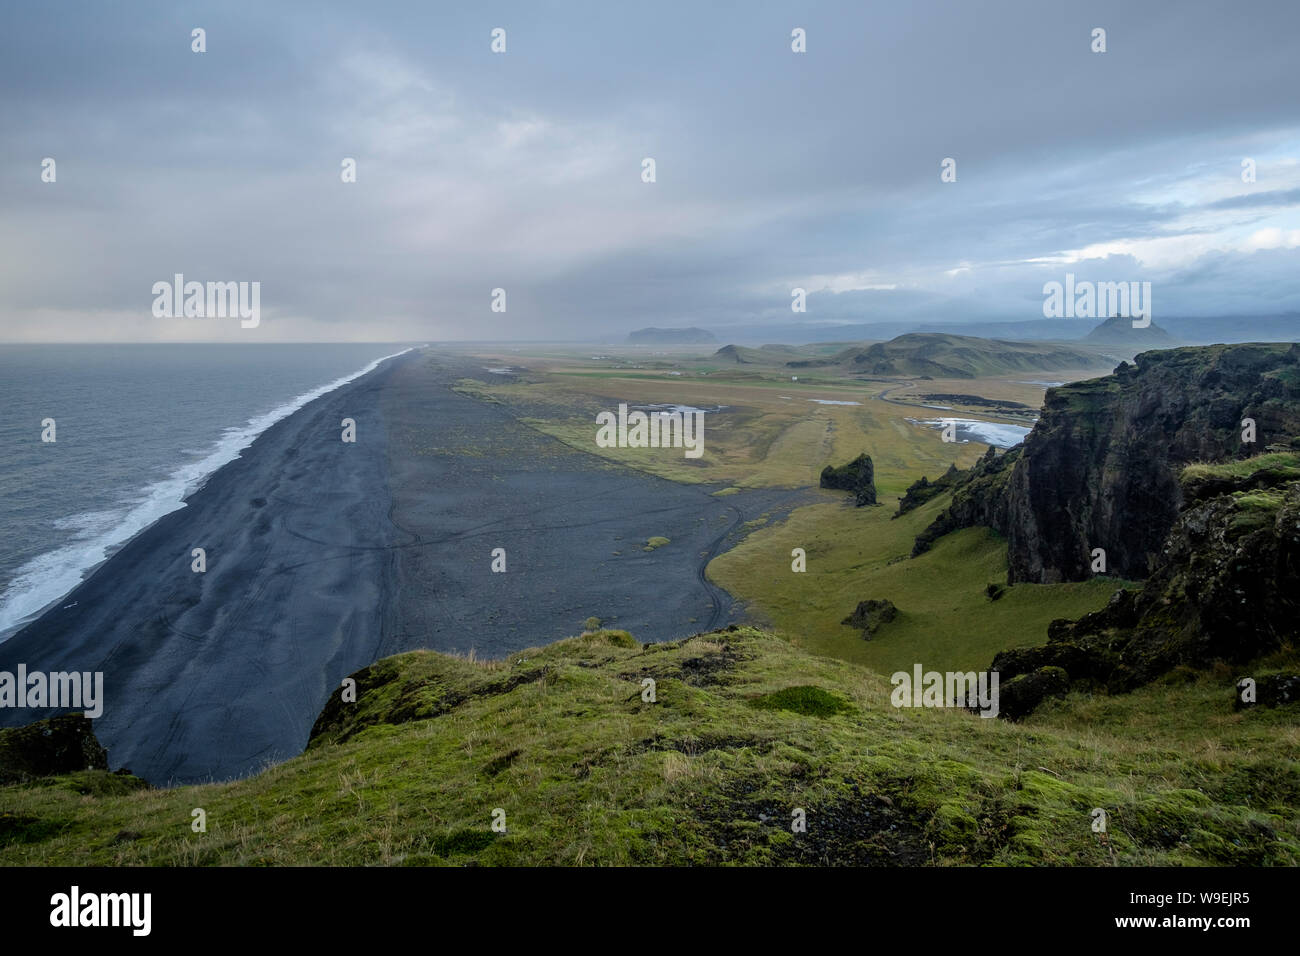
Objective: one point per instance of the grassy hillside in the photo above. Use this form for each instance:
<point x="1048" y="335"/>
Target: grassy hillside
<point x="921" y="354"/>
<point x="946" y="620"/>
<point x="746" y="729"/>
<point x="941" y="355"/>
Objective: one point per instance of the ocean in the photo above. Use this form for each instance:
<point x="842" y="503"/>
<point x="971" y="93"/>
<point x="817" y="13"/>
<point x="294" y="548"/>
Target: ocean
<point x="137" y="429"/>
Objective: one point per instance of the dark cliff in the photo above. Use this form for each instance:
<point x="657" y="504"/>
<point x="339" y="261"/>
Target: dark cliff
<point x="1224" y="587"/>
<point x="979" y="497"/>
<point x="1100" y="468"/>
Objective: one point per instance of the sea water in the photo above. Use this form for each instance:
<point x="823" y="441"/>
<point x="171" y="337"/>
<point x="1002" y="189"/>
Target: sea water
<point x="137" y="429"/>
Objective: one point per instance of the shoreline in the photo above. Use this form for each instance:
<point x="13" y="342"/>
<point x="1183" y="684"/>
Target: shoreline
<point x="158" y="499"/>
<point x="324" y="556"/>
<point x="205" y="672"/>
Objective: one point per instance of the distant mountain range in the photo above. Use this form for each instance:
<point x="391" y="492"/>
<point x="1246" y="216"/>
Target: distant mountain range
<point x="925" y="355"/>
<point x="1192" y="331"/>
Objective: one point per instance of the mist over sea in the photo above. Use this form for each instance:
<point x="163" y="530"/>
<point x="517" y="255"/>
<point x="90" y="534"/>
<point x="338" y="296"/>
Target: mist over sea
<point x="138" y="427"/>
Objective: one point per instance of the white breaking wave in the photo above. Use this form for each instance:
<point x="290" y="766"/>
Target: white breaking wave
<point x="49" y="577"/>
<point x="972" y="429"/>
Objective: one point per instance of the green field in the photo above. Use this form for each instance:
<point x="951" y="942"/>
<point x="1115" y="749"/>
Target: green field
<point x="946" y="621"/>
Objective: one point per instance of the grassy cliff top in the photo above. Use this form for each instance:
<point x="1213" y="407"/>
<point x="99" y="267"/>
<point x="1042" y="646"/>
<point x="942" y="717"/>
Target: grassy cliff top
<point x="746" y="728"/>
<point x="1285" y="464"/>
<point x="1258" y="483"/>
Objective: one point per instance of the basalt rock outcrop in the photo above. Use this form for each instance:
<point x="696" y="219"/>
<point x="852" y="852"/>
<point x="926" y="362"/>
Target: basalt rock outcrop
<point x="858" y="476"/>
<point x="59" y="745"/>
<point x="923" y="490"/>
<point x="979" y="498"/>
<point x="1226" y="587"/>
<point x="870" y="615"/>
<point x="1021" y="695"/>
<point x="1100" y="468"/>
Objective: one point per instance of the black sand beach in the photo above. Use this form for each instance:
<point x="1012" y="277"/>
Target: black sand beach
<point x="323" y="556"/>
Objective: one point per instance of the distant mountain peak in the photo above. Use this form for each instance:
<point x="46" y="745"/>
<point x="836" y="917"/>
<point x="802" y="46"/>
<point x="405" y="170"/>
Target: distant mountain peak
<point x="1119" y="330"/>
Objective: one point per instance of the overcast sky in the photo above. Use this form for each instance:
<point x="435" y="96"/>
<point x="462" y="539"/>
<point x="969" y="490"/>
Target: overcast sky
<point x="522" y="170"/>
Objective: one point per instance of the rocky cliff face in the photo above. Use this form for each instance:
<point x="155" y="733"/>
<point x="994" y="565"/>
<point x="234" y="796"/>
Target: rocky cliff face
<point x="1224" y="587"/>
<point x="1099" y="470"/>
<point x="979" y="498"/>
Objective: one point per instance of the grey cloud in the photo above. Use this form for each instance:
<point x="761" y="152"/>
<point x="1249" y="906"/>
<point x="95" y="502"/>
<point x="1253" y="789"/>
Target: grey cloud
<point x="522" y="170"/>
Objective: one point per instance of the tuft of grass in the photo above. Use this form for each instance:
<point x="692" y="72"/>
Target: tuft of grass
<point x="804" y="699"/>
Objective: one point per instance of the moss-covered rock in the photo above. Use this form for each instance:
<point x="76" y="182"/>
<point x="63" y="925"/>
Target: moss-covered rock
<point x="588" y="772"/>
<point x="923" y="490"/>
<point x="59" y="745"/>
<point x="1019" y="696"/>
<point x="1101" y="466"/>
<point x="1226" y="588"/>
<point x="979" y="498"/>
<point x="858" y="476"/>
<point x="870" y="615"/>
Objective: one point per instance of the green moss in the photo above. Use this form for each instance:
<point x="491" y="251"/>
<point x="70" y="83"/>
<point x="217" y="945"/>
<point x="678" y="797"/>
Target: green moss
<point x="804" y="699"/>
<point x="590" y="774"/>
<point x="1268" y="501"/>
<point x="954" y="824"/>
<point x="615" y="638"/>
<point x="656" y="542"/>
<point x="101" y="783"/>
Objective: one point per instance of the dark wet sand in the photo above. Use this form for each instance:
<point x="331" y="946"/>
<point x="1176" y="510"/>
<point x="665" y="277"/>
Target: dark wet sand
<point x="324" y="556"/>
